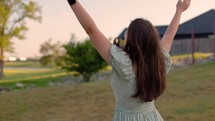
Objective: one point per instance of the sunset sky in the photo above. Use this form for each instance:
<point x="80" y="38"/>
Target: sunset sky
<point x="111" y="16"/>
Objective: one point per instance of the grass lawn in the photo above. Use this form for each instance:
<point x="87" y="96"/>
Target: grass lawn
<point x="29" y="64"/>
<point x="189" y="97"/>
<point x="31" y="74"/>
<point x="31" y="78"/>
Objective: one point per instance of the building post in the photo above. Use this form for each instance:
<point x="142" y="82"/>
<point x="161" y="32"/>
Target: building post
<point x="214" y="37"/>
<point x="193" y="47"/>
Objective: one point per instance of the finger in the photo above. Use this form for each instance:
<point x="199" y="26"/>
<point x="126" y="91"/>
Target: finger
<point x="179" y="1"/>
<point x="188" y="1"/>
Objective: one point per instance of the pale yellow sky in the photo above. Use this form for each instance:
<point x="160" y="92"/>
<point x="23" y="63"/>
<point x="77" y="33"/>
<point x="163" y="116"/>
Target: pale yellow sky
<point x="111" y="16"/>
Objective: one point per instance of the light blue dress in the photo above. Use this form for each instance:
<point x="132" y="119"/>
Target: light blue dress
<point x="123" y="85"/>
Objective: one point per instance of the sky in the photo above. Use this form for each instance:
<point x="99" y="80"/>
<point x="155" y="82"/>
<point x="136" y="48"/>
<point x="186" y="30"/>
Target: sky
<point x="111" y="17"/>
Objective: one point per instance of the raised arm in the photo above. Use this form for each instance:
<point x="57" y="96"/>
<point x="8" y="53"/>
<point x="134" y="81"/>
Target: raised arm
<point x="167" y="39"/>
<point x="99" y="41"/>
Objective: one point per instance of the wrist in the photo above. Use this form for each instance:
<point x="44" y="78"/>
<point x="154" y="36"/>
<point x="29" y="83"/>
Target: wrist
<point x="71" y="2"/>
<point x="179" y="11"/>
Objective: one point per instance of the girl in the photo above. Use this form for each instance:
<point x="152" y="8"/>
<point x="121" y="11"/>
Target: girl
<point x="139" y="68"/>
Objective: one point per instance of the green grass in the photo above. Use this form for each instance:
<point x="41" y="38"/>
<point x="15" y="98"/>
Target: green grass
<point x="189" y="97"/>
<point x="190" y="94"/>
<point x="31" y="77"/>
<point x="29" y="64"/>
<point x="31" y="74"/>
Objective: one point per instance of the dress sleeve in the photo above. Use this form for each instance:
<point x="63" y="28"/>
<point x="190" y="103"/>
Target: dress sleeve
<point x="121" y="63"/>
<point x="167" y="60"/>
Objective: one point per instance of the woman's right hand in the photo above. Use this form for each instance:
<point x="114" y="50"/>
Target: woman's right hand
<point x="167" y="39"/>
<point x="182" y="5"/>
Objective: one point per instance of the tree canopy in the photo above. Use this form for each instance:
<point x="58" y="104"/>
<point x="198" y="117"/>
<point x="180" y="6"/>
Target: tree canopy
<point x="50" y="53"/>
<point x="83" y="59"/>
<point x="13" y="16"/>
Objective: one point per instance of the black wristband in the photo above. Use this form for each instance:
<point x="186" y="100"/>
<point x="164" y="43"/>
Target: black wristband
<point x="71" y="2"/>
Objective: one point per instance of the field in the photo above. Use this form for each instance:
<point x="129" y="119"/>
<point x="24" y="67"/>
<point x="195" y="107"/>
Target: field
<point x="189" y="97"/>
<point x="31" y="74"/>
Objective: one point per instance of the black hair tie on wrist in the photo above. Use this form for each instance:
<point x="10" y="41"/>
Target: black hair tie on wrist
<point x="71" y="2"/>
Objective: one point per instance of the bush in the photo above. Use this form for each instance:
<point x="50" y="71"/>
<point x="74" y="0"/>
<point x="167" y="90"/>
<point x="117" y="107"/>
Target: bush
<point x="82" y="58"/>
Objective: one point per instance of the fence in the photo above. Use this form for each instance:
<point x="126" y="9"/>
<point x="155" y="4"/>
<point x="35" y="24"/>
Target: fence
<point x="189" y="47"/>
<point x="185" y="46"/>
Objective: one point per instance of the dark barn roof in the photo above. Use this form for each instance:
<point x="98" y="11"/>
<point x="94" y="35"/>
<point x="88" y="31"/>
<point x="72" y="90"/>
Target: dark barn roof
<point x="202" y="25"/>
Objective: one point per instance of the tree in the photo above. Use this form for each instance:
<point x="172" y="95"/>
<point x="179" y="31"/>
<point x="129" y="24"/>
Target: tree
<point x="83" y="59"/>
<point x="13" y="15"/>
<point x="50" y="53"/>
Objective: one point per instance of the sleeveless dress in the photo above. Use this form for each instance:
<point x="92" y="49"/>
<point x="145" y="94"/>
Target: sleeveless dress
<point x="123" y="86"/>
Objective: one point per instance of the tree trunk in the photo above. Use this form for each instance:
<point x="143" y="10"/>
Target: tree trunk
<point x="87" y="77"/>
<point x="1" y="68"/>
<point x="1" y="62"/>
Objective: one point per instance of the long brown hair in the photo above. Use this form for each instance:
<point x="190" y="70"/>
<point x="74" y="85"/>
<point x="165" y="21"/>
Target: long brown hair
<point x="143" y="47"/>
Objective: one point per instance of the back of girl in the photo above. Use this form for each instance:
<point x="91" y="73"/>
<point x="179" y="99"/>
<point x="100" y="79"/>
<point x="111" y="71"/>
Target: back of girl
<point x="139" y="68"/>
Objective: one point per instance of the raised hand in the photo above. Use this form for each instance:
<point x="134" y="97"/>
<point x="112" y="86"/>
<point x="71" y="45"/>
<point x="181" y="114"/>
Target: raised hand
<point x="182" y="5"/>
<point x="167" y="39"/>
<point x="100" y="42"/>
<point x="71" y="2"/>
